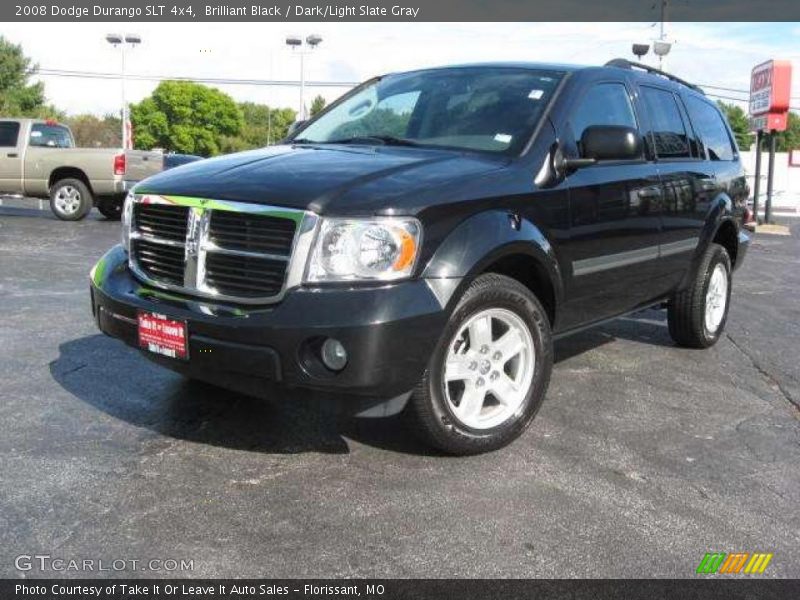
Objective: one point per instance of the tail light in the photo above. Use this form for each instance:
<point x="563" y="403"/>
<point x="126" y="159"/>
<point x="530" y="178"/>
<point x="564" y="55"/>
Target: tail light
<point x="119" y="164"/>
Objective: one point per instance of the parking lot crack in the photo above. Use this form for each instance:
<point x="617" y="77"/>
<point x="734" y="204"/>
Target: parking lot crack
<point x="769" y="377"/>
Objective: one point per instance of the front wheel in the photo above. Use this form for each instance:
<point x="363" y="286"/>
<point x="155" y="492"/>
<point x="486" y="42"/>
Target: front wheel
<point x="110" y="208"/>
<point x="70" y="199"/>
<point x="697" y="315"/>
<point x="489" y="373"/>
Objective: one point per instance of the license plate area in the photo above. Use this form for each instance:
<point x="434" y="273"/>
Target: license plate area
<point x="164" y="336"/>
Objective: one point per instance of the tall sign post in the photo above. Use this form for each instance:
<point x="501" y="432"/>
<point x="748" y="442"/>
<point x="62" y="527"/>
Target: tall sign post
<point x="770" y="88"/>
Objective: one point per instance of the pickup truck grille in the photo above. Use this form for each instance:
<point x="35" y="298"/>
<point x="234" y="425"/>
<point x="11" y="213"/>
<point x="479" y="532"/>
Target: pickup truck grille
<point x="233" y="251"/>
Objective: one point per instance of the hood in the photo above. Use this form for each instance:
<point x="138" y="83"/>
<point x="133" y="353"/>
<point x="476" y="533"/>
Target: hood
<point x="325" y="179"/>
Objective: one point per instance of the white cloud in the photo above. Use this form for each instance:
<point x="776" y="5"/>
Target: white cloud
<point x="716" y="53"/>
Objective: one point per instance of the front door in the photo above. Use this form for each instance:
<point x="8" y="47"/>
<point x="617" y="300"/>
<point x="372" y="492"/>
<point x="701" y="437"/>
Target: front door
<point x="614" y="217"/>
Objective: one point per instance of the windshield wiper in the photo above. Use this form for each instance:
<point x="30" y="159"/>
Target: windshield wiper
<point x="387" y="140"/>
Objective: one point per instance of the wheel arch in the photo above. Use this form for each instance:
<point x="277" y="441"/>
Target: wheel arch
<point x="719" y="226"/>
<point x="60" y="173"/>
<point x="500" y="242"/>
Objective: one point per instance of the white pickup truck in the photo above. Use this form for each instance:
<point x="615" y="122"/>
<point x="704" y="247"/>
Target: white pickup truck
<point x="39" y="159"/>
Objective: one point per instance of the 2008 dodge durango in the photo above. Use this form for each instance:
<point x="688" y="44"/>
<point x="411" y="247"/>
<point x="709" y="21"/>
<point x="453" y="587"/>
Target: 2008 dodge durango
<point x="421" y="242"/>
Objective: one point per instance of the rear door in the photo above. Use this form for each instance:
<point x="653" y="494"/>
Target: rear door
<point x="614" y="214"/>
<point x="11" y="150"/>
<point x="689" y="184"/>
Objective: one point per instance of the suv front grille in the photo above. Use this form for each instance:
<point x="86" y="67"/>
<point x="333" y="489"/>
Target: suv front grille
<point x="160" y="262"/>
<point x="252" y="233"/>
<point x="233" y="251"/>
<point x="245" y="276"/>
<point x="161" y="220"/>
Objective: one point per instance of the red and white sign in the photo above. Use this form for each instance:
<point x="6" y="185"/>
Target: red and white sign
<point x="770" y="90"/>
<point x="770" y="87"/>
<point x="163" y="336"/>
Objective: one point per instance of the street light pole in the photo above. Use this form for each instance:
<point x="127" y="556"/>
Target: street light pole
<point x="296" y="44"/>
<point x="119" y="41"/>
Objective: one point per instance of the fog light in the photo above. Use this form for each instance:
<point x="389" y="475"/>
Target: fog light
<point x="334" y="356"/>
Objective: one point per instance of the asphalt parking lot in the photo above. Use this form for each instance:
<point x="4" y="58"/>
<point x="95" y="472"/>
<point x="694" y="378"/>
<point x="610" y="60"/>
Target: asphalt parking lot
<point x="644" y="457"/>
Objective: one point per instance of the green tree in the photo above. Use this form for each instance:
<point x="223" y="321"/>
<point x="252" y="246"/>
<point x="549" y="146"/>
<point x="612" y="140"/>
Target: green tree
<point x="181" y="116"/>
<point x="19" y="97"/>
<point x="317" y="105"/>
<point x="739" y="123"/>
<point x="91" y="131"/>
<point x="790" y="139"/>
<point x="262" y="126"/>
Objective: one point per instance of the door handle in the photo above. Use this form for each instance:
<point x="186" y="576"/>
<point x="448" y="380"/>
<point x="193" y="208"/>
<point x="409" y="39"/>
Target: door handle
<point x="12" y="155"/>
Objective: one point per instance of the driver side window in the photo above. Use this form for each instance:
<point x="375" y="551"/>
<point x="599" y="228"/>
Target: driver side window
<point x="603" y="104"/>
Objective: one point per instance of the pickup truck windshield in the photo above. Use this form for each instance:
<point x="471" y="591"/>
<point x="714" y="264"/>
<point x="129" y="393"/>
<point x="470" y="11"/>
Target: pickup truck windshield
<point x="489" y="109"/>
<point x="51" y="136"/>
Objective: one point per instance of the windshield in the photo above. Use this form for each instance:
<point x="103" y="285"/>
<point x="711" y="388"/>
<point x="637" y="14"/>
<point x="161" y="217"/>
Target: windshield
<point x="490" y="109"/>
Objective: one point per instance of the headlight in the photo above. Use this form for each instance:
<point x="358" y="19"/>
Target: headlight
<point x="365" y="249"/>
<point x="127" y="214"/>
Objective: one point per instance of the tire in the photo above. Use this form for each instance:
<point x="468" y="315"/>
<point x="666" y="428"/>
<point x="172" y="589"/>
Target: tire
<point x="70" y="199"/>
<point x="442" y="408"/>
<point x="110" y="208"/>
<point x="697" y="315"/>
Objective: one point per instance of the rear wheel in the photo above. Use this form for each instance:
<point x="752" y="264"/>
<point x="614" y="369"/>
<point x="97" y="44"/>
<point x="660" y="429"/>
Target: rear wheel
<point x="697" y="315"/>
<point x="488" y="375"/>
<point x="110" y="208"/>
<point x="70" y="199"/>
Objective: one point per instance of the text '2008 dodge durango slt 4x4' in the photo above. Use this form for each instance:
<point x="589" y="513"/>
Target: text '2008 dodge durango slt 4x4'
<point x="420" y="243"/>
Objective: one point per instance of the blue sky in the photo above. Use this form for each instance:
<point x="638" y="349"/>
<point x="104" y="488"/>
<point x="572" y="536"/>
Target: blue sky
<point x="720" y="54"/>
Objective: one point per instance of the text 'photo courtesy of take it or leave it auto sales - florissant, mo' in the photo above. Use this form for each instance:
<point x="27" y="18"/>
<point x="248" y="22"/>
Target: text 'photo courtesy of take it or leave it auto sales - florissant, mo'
<point x="400" y="300"/>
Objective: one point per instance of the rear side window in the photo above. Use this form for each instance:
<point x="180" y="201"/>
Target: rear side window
<point x="668" y="132"/>
<point x="9" y="133"/>
<point x="50" y="136"/>
<point x="603" y="104"/>
<point x="709" y="124"/>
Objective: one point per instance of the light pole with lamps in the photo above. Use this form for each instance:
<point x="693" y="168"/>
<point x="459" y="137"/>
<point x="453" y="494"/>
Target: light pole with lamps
<point x="296" y="43"/>
<point x="119" y="41"/>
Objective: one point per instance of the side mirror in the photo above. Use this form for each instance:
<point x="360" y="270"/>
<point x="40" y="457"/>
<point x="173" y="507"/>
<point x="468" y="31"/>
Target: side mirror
<point x="294" y="127"/>
<point x="611" y="142"/>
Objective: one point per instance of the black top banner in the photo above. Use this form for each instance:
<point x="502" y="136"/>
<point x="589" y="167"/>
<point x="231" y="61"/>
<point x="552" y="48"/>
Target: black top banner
<point x="402" y="10"/>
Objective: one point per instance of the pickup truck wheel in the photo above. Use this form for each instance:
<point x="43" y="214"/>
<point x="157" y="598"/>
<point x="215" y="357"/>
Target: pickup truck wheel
<point x="110" y="208"/>
<point x="488" y="375"/>
<point x="70" y="199"/>
<point x="697" y="315"/>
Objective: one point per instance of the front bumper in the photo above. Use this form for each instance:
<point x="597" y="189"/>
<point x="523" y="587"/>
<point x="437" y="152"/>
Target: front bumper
<point x="389" y="332"/>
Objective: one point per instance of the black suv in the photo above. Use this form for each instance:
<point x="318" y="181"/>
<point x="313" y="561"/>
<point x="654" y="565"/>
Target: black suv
<point x="420" y="243"/>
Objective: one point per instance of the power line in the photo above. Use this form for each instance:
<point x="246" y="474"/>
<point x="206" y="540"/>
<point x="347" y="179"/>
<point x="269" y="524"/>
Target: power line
<point x="290" y="83"/>
<point x="216" y="80"/>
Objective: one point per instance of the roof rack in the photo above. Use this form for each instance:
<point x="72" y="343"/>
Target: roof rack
<point x="624" y="63"/>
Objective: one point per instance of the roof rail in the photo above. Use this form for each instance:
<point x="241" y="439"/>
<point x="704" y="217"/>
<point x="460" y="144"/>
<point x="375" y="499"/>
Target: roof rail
<point x="624" y="63"/>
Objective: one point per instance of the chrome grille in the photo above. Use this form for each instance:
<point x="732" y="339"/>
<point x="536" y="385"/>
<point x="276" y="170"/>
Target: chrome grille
<point x="160" y="262"/>
<point x="234" y="251"/>
<point x="161" y="220"/>
<point x="251" y="233"/>
<point x="245" y="276"/>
